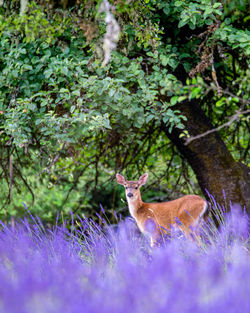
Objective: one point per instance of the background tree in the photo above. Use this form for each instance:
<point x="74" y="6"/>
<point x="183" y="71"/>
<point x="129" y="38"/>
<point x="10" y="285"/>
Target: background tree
<point x="172" y="100"/>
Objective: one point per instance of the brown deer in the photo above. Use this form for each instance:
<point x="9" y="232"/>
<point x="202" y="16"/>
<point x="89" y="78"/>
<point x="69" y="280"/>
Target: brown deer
<point x="154" y="218"/>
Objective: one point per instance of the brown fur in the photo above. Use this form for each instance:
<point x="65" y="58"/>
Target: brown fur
<point x="184" y="212"/>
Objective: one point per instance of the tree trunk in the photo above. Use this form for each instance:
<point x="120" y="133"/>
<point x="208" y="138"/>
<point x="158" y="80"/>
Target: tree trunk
<point x="23" y="6"/>
<point x="216" y="170"/>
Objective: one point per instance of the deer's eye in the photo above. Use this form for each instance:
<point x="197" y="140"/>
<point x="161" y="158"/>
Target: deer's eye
<point x="136" y="187"/>
<point x="126" y="187"/>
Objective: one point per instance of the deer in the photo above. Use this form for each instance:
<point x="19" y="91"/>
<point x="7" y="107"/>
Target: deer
<point x="155" y="219"/>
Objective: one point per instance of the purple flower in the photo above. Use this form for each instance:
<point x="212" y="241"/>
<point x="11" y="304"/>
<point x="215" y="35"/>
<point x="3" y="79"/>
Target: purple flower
<point x="113" y="269"/>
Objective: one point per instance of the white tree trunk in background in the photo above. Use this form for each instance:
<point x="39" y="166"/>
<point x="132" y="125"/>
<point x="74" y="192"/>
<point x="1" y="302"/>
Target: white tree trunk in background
<point x="112" y="32"/>
<point x="23" y="6"/>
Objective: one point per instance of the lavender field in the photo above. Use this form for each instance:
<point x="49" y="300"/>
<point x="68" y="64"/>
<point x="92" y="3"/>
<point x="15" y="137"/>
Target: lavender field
<point x="88" y="268"/>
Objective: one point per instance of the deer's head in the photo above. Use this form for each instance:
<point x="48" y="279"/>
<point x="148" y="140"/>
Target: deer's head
<point x="132" y="188"/>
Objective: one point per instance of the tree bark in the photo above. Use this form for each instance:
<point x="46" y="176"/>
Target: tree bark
<point x="23" y="6"/>
<point x="216" y="170"/>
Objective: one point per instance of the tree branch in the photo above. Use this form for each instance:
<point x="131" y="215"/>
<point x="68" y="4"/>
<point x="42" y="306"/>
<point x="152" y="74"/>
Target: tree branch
<point x="25" y="183"/>
<point x="232" y="119"/>
<point x="56" y="158"/>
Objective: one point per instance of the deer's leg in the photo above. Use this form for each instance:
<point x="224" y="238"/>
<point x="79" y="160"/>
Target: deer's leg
<point x="151" y="228"/>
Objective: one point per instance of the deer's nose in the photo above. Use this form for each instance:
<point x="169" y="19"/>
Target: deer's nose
<point x="130" y="194"/>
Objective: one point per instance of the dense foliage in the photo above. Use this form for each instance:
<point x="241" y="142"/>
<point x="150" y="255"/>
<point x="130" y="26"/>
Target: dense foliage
<point x="88" y="270"/>
<point x="68" y="123"/>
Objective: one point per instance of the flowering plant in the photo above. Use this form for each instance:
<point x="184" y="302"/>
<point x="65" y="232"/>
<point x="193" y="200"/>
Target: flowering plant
<point x="88" y="268"/>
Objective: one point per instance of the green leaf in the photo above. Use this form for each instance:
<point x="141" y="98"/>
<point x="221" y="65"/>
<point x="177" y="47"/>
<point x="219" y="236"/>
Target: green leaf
<point x="149" y="118"/>
<point x="182" y="98"/>
<point x="209" y="21"/>
<point x="27" y="67"/>
<point x="220" y="102"/>
<point x="182" y="23"/>
<point x="174" y="100"/>
<point x="112" y="91"/>
<point x="217" y="5"/>
<point x="48" y="73"/>
<point x="65" y="71"/>
<point x="76" y="93"/>
<point x="64" y="90"/>
<point x="167" y="9"/>
<point x="178" y="3"/>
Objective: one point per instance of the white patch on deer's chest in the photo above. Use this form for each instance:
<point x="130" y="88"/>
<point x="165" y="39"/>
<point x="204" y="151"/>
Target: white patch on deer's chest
<point x="132" y="208"/>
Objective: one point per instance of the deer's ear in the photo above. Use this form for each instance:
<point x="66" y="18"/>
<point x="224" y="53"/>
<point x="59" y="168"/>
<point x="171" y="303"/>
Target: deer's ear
<point x="143" y="179"/>
<point x="120" y="179"/>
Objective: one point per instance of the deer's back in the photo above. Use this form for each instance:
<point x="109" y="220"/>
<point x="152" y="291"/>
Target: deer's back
<point x="186" y="209"/>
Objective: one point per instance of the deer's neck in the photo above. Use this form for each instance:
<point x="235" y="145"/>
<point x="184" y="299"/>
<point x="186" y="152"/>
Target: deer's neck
<point x="134" y="205"/>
